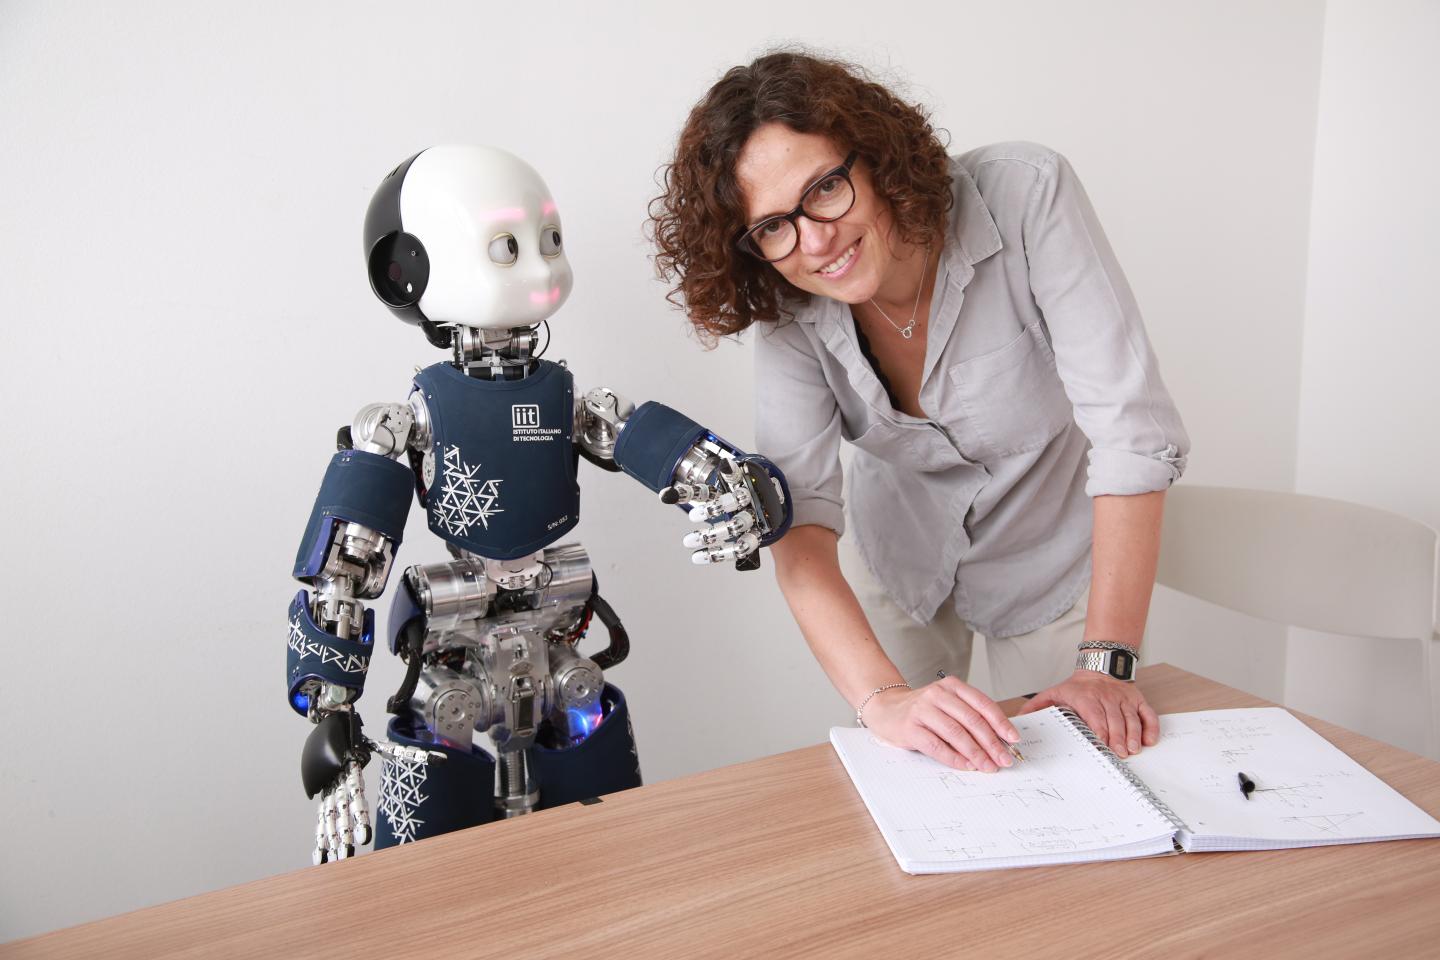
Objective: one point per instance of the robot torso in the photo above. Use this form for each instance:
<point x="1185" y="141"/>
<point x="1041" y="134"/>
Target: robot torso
<point x="503" y="480"/>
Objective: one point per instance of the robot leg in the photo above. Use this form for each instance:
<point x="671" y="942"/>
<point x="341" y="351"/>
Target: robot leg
<point x="420" y="799"/>
<point x="604" y="762"/>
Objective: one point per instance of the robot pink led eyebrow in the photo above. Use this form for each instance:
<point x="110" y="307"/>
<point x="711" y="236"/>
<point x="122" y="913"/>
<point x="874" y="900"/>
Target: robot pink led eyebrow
<point x="489" y="441"/>
<point x="504" y="214"/>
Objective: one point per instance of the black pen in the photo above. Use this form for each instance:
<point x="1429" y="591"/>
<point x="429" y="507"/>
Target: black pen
<point x="1013" y="752"/>
<point x="1247" y="786"/>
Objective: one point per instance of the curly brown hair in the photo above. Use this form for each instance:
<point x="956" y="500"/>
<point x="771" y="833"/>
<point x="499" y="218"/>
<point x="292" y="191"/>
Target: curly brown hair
<point x="693" y="223"/>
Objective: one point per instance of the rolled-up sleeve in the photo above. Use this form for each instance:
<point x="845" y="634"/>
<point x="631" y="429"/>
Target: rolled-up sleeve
<point x="797" y="423"/>
<point x="1110" y="374"/>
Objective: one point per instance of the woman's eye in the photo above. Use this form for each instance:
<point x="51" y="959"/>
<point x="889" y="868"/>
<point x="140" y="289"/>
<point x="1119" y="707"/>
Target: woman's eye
<point x="550" y="241"/>
<point x="504" y="250"/>
<point x="770" y="228"/>
<point x="827" y="186"/>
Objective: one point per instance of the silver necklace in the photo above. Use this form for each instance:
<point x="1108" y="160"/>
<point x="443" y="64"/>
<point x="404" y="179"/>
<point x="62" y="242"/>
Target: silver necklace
<point x="908" y="330"/>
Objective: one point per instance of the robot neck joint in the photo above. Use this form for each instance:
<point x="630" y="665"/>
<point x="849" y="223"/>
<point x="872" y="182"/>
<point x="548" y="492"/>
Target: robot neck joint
<point x="495" y="354"/>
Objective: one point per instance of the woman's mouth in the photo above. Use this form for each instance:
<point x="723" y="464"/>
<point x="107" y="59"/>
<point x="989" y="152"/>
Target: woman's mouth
<point x="841" y="265"/>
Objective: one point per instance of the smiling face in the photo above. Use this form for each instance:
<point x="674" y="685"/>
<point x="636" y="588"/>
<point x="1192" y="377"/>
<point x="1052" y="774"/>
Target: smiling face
<point x="492" y="233"/>
<point x="845" y="259"/>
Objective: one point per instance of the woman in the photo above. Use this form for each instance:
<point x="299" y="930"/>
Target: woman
<point x="964" y="323"/>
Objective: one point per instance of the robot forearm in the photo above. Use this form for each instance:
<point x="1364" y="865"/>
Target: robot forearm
<point x="687" y="464"/>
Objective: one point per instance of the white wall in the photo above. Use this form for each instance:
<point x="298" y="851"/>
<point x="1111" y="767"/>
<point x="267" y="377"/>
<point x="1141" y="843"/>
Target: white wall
<point x="187" y="322"/>
<point x="1370" y="383"/>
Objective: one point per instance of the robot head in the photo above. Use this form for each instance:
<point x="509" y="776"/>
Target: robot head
<point x="466" y="236"/>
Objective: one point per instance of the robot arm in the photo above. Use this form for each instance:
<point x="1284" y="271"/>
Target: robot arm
<point x="345" y="557"/>
<point x="741" y="496"/>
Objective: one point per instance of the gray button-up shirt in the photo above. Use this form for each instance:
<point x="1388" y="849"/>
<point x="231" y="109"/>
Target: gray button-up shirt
<point x="1036" y="362"/>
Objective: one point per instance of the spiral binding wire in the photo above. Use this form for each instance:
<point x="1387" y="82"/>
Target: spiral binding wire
<point x="1082" y="729"/>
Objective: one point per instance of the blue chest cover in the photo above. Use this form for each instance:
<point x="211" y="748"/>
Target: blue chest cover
<point x="504" y="460"/>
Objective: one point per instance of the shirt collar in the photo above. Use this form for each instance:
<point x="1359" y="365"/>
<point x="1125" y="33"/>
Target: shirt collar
<point x="972" y="236"/>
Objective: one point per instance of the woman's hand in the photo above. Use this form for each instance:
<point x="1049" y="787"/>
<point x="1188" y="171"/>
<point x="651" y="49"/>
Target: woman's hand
<point x="948" y="720"/>
<point x="1114" y="709"/>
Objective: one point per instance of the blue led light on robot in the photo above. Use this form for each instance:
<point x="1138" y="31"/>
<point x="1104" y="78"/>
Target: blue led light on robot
<point x="302" y="702"/>
<point x="583" y="721"/>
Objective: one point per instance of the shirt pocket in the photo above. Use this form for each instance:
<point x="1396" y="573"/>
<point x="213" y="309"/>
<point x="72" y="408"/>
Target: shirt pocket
<point x="1012" y="397"/>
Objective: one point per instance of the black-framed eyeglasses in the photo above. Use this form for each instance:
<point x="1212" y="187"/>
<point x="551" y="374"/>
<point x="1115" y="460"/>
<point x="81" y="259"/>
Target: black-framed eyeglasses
<point x="829" y="198"/>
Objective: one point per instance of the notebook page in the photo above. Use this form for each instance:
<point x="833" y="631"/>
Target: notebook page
<point x="1062" y="803"/>
<point x="1308" y="792"/>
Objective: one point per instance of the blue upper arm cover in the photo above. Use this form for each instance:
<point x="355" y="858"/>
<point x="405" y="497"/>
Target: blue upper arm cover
<point x="652" y="443"/>
<point x="359" y="487"/>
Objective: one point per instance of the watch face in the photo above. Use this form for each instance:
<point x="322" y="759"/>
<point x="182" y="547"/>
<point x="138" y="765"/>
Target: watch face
<point x="1122" y="665"/>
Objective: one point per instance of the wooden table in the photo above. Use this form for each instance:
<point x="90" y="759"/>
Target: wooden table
<point x="778" y="858"/>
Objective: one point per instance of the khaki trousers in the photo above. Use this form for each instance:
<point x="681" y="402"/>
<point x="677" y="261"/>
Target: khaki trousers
<point x="1021" y="664"/>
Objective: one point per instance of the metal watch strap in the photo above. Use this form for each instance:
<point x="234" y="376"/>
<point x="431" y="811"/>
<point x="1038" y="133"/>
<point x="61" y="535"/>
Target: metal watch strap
<point x="1119" y="664"/>
<point x="1110" y="645"/>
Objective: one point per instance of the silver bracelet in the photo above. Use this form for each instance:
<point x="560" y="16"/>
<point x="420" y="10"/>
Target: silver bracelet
<point x="860" y="720"/>
<point x="1109" y="645"/>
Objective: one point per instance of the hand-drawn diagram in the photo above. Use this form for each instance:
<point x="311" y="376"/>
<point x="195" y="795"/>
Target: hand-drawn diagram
<point x="1040" y="792"/>
<point x="1324" y="823"/>
<point x="1053" y="838"/>
<point x="1295" y="796"/>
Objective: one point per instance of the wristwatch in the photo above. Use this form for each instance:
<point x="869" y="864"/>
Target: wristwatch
<point x="1119" y="664"/>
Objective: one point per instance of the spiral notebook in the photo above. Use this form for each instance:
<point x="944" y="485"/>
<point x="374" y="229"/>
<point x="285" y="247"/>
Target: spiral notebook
<point x="1072" y="800"/>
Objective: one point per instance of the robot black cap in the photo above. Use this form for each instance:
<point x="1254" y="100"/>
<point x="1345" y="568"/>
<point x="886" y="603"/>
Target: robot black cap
<point x="395" y="260"/>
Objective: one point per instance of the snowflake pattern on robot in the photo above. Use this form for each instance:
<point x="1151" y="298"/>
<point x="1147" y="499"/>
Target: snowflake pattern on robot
<point x="400" y="798"/>
<point x="463" y="502"/>
<point x="349" y="663"/>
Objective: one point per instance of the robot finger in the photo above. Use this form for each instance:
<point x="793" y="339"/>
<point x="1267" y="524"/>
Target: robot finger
<point x="322" y="847"/>
<point x="717" y="533"/>
<point x="721" y="505"/>
<point x="410" y="754"/>
<point x="692" y="493"/>
<point x="359" y="813"/>
<point x="343" y="831"/>
<point x="332" y="833"/>
<point x="742" y="547"/>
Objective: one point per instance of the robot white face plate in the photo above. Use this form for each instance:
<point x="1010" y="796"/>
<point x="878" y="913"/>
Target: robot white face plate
<point x="465" y="204"/>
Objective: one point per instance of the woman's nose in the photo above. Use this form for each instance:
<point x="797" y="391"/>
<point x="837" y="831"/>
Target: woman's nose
<point x="815" y="237"/>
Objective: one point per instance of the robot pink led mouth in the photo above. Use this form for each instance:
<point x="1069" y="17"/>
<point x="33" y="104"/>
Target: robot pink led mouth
<point x="541" y="298"/>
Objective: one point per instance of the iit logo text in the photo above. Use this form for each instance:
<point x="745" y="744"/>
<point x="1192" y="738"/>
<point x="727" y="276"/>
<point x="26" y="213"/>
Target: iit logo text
<point x="525" y="415"/>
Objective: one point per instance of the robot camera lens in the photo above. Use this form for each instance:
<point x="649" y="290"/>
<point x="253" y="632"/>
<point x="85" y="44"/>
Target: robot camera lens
<point x="504" y="249"/>
<point x="394" y="273"/>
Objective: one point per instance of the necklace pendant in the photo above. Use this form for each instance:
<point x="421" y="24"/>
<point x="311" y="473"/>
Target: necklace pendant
<point x="907" y="332"/>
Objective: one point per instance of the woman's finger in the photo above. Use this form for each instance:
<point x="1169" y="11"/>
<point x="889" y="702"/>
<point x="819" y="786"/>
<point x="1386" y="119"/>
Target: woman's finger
<point x="958" y="737"/>
<point x="932" y="745"/>
<point x="1132" y="726"/>
<point x="1115" y="723"/>
<point x="994" y="717"/>
<point x="1093" y="713"/>
<point x="977" y="725"/>
<point x="1150" y="721"/>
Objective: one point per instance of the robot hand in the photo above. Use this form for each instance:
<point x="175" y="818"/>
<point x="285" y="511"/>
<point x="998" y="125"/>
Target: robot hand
<point x="335" y="754"/>
<point x="739" y="512"/>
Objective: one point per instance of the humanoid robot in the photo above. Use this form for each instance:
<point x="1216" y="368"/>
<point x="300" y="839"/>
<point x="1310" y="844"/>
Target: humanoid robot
<point x="465" y="242"/>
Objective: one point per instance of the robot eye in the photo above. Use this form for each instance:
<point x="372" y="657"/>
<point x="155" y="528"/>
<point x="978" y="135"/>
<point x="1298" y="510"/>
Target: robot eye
<point x="504" y="250"/>
<point x="550" y="242"/>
